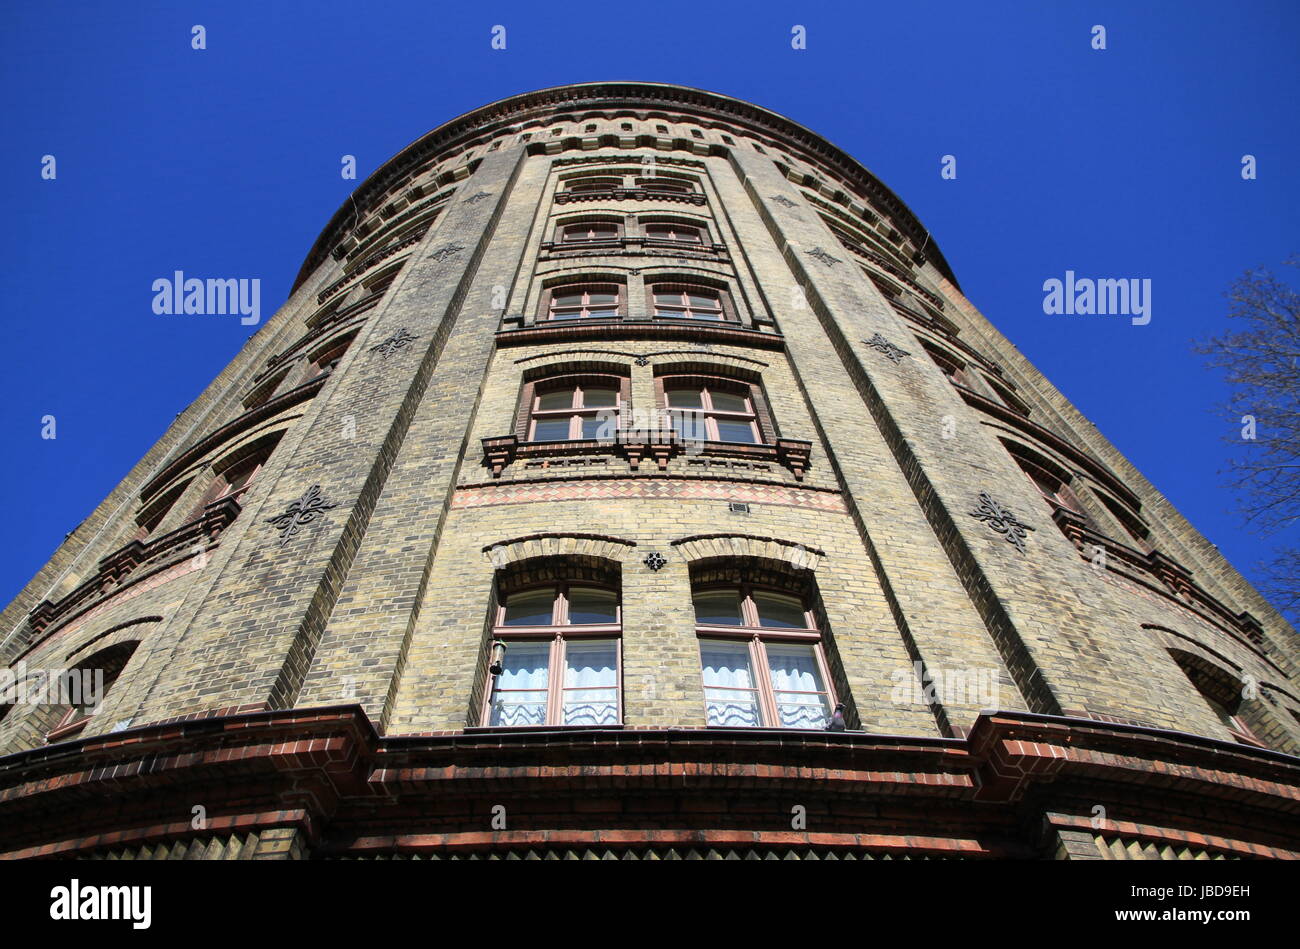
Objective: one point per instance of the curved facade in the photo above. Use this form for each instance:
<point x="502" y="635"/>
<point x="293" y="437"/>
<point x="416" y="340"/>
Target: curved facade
<point x="627" y="476"/>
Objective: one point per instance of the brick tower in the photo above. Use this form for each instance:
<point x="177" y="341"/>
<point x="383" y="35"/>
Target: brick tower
<point x="627" y="476"/>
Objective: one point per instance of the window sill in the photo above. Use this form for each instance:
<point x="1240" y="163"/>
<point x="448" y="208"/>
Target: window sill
<point x="533" y="729"/>
<point x="625" y="328"/>
<point x="501" y="451"/>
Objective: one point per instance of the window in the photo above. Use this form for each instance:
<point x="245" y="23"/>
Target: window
<point x="565" y="410"/>
<point x="592" y="185"/>
<point x="665" y="185"/>
<point x="716" y="411"/>
<point x="1052" y="486"/>
<point x="949" y="366"/>
<point x="677" y="233"/>
<point x="86" y="685"/>
<point x="1006" y="398"/>
<point x="661" y="129"/>
<point x="762" y="660"/>
<point x="689" y="303"/>
<point x="238" y="478"/>
<point x="328" y="361"/>
<point x="584" y="302"/>
<point x="589" y="231"/>
<point x="561" y="662"/>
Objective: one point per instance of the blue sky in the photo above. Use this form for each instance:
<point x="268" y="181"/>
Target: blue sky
<point x="225" y="162"/>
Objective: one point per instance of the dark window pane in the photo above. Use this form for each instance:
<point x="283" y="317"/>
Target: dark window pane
<point x="717" y="608"/>
<point x="530" y="608"/>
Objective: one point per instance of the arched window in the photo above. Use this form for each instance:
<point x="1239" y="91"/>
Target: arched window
<point x="574" y="407"/>
<point x="1221" y="692"/>
<point x="1052" y="483"/>
<point x="715" y="410"/>
<point x="326" y="362"/>
<point x="589" y="232"/>
<point x="689" y="303"/>
<point x="592" y="185"/>
<point x="584" y="302"/>
<point x="83" y="687"/>
<point x="674" y="233"/>
<point x="761" y="657"/>
<point x="949" y="365"/>
<point x="558" y="648"/>
<point x="665" y="185"/>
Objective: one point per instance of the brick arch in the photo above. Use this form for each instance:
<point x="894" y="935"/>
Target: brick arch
<point x="567" y="364"/>
<point x="594" y="546"/>
<point x="129" y="631"/>
<point x="732" y="367"/>
<point x="1174" y="641"/>
<point x="750" y="547"/>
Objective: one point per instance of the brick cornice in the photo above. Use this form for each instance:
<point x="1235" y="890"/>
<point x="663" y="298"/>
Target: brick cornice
<point x="326" y="769"/>
<point x="496" y="118"/>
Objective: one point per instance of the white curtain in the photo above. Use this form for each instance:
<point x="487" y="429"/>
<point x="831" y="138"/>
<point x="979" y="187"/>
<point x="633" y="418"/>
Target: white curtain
<point x="797" y="684"/>
<point x="729" y="684"/>
<point x="591" y="682"/>
<point x="519" y="697"/>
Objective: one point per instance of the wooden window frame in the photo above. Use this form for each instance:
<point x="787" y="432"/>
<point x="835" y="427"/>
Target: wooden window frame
<point x="758" y="414"/>
<point x="528" y="395"/>
<point x="593" y="184"/>
<point x="701" y="231"/>
<point x="575" y="412"/>
<point x="547" y="314"/>
<point x="562" y="239"/>
<point x="558" y="633"/>
<point x="725" y="312"/>
<point x="76" y="718"/>
<point x="757" y="637"/>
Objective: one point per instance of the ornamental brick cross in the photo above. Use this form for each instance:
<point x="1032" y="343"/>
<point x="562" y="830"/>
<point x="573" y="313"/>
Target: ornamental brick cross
<point x="300" y="513"/>
<point x="399" y="340"/>
<point x="879" y="342"/>
<point x="1001" y="520"/>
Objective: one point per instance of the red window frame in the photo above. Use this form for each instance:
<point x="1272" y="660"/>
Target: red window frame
<point x="594" y="184"/>
<point x="690" y="234"/>
<point x="684" y="308"/>
<point x="711" y="415"/>
<point x="566" y="313"/>
<point x="558" y="633"/>
<point x="597" y="232"/>
<point x="576" y="412"/>
<point x="758" y="637"/>
<point x="75" y="719"/>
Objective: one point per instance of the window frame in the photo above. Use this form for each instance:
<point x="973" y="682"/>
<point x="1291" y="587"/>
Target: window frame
<point x="532" y="388"/>
<point x="757" y="637"/>
<point x="701" y="232"/>
<point x="557" y="634"/>
<point x="756" y="415"/>
<point x="548" y="305"/>
<point x="576" y="413"/>
<point x="652" y="185"/>
<point x="563" y="240"/>
<point x="725" y="312"/>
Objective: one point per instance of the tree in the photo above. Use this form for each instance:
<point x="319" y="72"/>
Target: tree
<point x="1260" y="356"/>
